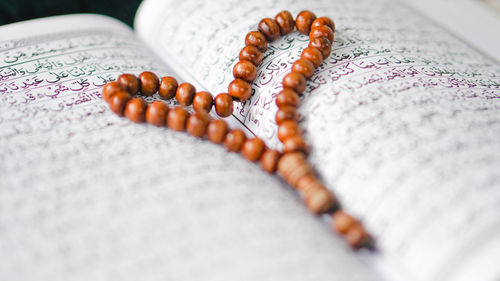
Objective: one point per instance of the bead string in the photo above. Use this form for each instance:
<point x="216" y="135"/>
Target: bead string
<point x="291" y="163"/>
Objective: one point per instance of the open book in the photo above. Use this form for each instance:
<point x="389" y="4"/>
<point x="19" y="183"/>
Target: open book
<point x="403" y="118"/>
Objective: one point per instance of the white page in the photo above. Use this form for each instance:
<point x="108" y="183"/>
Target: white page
<point x="474" y="21"/>
<point x="86" y="195"/>
<point x="403" y="117"/>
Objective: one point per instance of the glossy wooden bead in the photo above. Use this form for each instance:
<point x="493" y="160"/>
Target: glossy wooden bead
<point x="203" y="102"/>
<point x="304" y="67"/>
<point x="286" y="113"/>
<point x="257" y="39"/>
<point x="217" y="130"/>
<point x="176" y="118"/>
<point x="111" y="88"/>
<point x="323" y="21"/>
<point x="185" y="94"/>
<point x="356" y="236"/>
<point x="135" y="110"/>
<point x="287" y="97"/>
<point x="323" y="45"/>
<point x="240" y="89"/>
<point x="118" y="101"/>
<point x="304" y="20"/>
<point x="251" y="53"/>
<point x="320" y="200"/>
<point x="287" y="129"/>
<point x="342" y="221"/>
<point x="130" y="82"/>
<point x="285" y="22"/>
<point x="253" y="148"/>
<point x="269" y="160"/>
<point x="234" y="140"/>
<point x="223" y="105"/>
<point x="245" y="70"/>
<point x="295" y="81"/>
<point x="312" y="54"/>
<point x="197" y="123"/>
<point x="149" y="83"/>
<point x="322" y="31"/>
<point x="295" y="144"/>
<point x="269" y="28"/>
<point x="156" y="113"/>
<point x="168" y="87"/>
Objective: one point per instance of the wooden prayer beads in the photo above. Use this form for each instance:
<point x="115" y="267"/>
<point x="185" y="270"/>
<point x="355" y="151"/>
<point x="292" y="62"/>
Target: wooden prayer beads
<point x="185" y="94"/>
<point x="202" y="102"/>
<point x="217" y="130"/>
<point x="285" y="22"/>
<point x="156" y="113"/>
<point x="168" y="87"/>
<point x="149" y="83"/>
<point x="291" y="163"/>
<point x="135" y="110"/>
<point x="234" y="140"/>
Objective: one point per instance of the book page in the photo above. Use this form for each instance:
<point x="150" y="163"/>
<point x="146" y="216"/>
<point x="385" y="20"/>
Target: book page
<point x="474" y="21"/>
<point x="87" y="195"/>
<point x="403" y="118"/>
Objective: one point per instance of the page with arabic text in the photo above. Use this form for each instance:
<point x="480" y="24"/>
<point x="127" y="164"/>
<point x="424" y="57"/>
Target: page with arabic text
<point x="403" y="118"/>
<point x="87" y="195"/>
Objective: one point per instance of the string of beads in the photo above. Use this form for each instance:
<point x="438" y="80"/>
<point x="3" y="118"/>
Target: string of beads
<point x="291" y="163"/>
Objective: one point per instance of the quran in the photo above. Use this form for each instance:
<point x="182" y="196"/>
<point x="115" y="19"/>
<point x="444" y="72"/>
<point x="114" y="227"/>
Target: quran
<point x="403" y="118"/>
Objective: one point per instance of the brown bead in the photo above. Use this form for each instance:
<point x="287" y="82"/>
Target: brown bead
<point x="320" y="200"/>
<point x="269" y="28"/>
<point x="323" y="21"/>
<point x="286" y="113"/>
<point x="295" y="81"/>
<point x="197" y="123"/>
<point x="251" y="53"/>
<point x="185" y="94"/>
<point x="118" y="101"/>
<point x="287" y="129"/>
<point x="245" y="70"/>
<point x="203" y="102"/>
<point x="323" y="45"/>
<point x="307" y="182"/>
<point x="356" y="236"/>
<point x="176" y="118"/>
<point x="240" y="89"/>
<point x="304" y="67"/>
<point x="130" y="82"/>
<point x="149" y="83"/>
<point x="224" y="105"/>
<point x="312" y="54"/>
<point x="217" y="130"/>
<point x="287" y="97"/>
<point x="293" y="167"/>
<point x="269" y="160"/>
<point x="285" y="22"/>
<point x="110" y="88"/>
<point x="156" y="113"/>
<point x="322" y="31"/>
<point x="257" y="39"/>
<point x="295" y="144"/>
<point x="234" y="140"/>
<point x="253" y="148"/>
<point x="304" y="20"/>
<point x="342" y="221"/>
<point x="168" y="87"/>
<point x="135" y="110"/>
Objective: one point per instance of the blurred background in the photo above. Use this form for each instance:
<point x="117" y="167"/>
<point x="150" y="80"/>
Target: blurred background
<point x="19" y="10"/>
